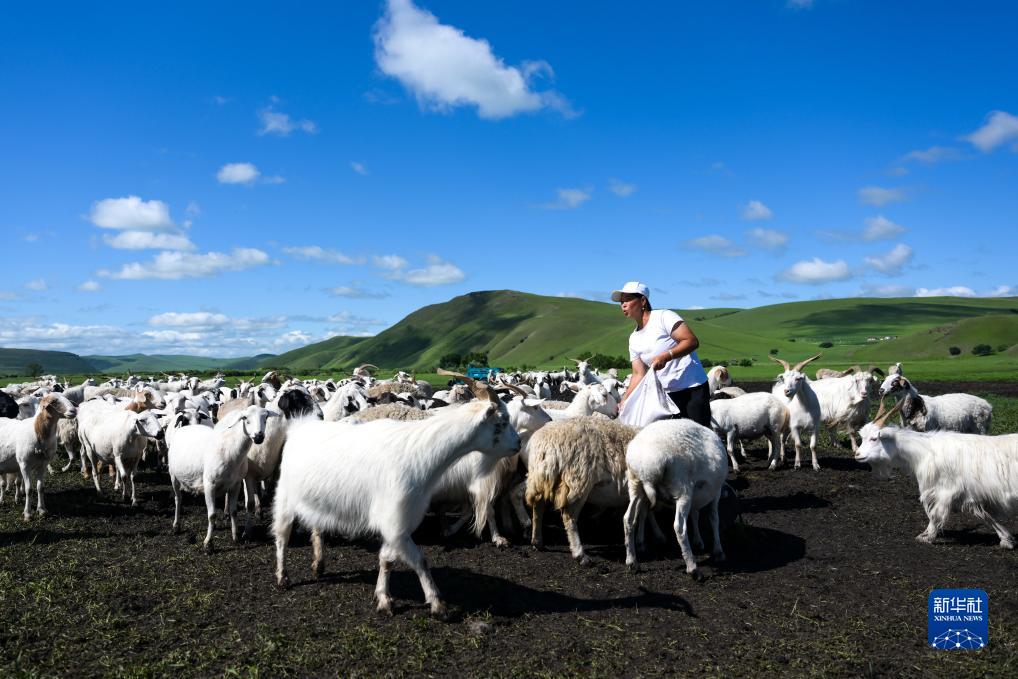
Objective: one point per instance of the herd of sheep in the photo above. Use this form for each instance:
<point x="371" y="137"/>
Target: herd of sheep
<point x="363" y="456"/>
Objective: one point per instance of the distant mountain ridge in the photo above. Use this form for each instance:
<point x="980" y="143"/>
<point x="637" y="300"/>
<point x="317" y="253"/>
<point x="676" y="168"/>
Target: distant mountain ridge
<point x="517" y="328"/>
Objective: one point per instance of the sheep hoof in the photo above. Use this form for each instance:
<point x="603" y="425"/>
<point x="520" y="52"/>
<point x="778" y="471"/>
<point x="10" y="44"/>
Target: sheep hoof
<point x="773" y="466"/>
<point x="208" y="548"/>
<point x="176" y="529"/>
<point x="316" y="570"/>
<point x="633" y="567"/>
<point x="283" y="581"/>
<point x="923" y="537"/>
<point x="697" y="575"/>
<point x="439" y="611"/>
<point x="584" y="560"/>
<point x="718" y="557"/>
<point x="134" y="503"/>
<point x="26" y="517"/>
<point x="816" y="467"/>
<point x="384" y="607"/>
<point x="41" y="512"/>
<point x="1007" y="544"/>
<point x="501" y="542"/>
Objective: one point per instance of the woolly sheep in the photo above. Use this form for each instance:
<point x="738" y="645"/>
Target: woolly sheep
<point x="117" y="437"/>
<point x="963" y="413"/>
<point x="683" y="462"/>
<point x="749" y="417"/>
<point x="209" y="461"/>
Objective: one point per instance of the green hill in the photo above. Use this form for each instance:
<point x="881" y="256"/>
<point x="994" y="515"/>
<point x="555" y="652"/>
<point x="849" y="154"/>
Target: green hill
<point x="13" y="361"/>
<point x="517" y="328"/>
<point x="170" y="363"/>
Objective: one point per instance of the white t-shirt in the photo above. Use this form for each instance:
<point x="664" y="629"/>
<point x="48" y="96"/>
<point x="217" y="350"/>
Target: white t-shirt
<point x="656" y="338"/>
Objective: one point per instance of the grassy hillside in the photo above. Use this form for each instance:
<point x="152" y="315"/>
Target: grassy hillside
<point x="517" y="328"/>
<point x="170" y="363"/>
<point x="13" y="361"/>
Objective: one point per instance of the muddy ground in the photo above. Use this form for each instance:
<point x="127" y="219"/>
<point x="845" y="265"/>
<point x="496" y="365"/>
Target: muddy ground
<point x="823" y="577"/>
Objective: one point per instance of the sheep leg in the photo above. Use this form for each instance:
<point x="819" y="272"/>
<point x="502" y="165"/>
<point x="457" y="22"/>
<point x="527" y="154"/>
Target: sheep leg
<point x="70" y="459"/>
<point x="813" y="450"/>
<point x="937" y="510"/>
<point x="458" y="524"/>
<point x="682" y="505"/>
<point x="175" y="485"/>
<point x="121" y="476"/>
<point x="536" y="528"/>
<point x="730" y="438"/>
<point x="411" y="554"/>
<point x="775" y="444"/>
<point x="386" y="556"/>
<point x="1006" y="540"/>
<point x="40" y="507"/>
<point x="94" y="459"/>
<point x="629" y="523"/>
<point x="27" y="480"/>
<point x="694" y="524"/>
<point x="570" y="518"/>
<point x="318" y="550"/>
<point x="231" y="504"/>
<point x="250" y="495"/>
<point x="798" y="448"/>
<point x="210" y="507"/>
<point x="281" y="527"/>
<point x="519" y="505"/>
<point x="717" y="552"/>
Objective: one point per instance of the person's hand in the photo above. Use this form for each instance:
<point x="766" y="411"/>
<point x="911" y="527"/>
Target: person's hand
<point x="660" y="360"/>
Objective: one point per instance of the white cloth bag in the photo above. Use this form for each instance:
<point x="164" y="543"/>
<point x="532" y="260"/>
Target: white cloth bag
<point x="647" y="403"/>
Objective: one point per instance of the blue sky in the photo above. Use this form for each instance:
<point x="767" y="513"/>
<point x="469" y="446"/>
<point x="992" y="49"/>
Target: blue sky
<point x="226" y="180"/>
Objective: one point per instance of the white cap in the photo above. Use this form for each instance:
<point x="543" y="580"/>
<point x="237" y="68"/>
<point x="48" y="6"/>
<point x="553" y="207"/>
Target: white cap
<point x="631" y="288"/>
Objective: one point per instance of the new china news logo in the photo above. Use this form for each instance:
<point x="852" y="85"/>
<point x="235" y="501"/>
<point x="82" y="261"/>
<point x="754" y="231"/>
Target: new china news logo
<point x="958" y="619"/>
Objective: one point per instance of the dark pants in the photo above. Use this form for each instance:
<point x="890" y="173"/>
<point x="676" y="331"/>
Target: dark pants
<point x="694" y="404"/>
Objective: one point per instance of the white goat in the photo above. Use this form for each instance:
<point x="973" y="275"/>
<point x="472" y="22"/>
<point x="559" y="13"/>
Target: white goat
<point x="378" y="478"/>
<point x="592" y="398"/>
<point x="117" y="437"/>
<point x="954" y="471"/>
<point x="209" y="461"/>
<point x="749" y="417"/>
<point x="794" y="390"/>
<point x="28" y="446"/>
<point x="963" y="413"/>
<point x="718" y="377"/>
<point x="685" y="463"/>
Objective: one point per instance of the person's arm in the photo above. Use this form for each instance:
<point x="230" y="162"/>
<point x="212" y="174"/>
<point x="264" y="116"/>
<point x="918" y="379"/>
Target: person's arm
<point x="639" y="370"/>
<point x="685" y="343"/>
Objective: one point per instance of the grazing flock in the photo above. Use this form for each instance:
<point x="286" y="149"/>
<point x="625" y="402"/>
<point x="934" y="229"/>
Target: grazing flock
<point x="370" y="457"/>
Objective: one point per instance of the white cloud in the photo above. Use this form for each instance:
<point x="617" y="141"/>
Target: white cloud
<point x="932" y="155"/>
<point x="875" y="195"/>
<point x="274" y="179"/>
<point x="131" y="213"/>
<point x="815" y="271"/>
<point x="756" y="211"/>
<point x="891" y="263"/>
<point x="30" y="237"/>
<point x="349" y="324"/>
<point x="799" y="4"/>
<point x="954" y="291"/>
<point x="437" y="272"/>
<point x="8" y="296"/>
<point x="569" y="199"/>
<point x="314" y="252"/>
<point x="717" y="245"/>
<point x="880" y="227"/>
<point x="192" y="209"/>
<point x="444" y="68"/>
<point x="39" y="285"/>
<point x="1000" y="128"/>
<point x="292" y="338"/>
<point x="355" y="291"/>
<point x="620" y="188"/>
<point x="768" y="239"/>
<point x="89" y="286"/>
<point x="279" y="123"/>
<point x="146" y="240"/>
<point x="221" y="100"/>
<point x="1003" y="291"/>
<point x="176" y="265"/>
<point x="359" y="168"/>
<point x="202" y="319"/>
<point x="390" y="262"/>
<point x="238" y="173"/>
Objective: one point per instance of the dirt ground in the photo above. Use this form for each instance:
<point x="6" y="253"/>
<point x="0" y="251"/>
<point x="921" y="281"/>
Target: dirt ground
<point x="823" y="577"/>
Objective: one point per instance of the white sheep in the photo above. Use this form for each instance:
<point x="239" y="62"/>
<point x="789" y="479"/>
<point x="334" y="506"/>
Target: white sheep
<point x="683" y="462"/>
<point x="28" y="446"/>
<point x="844" y="402"/>
<point x="963" y="413"/>
<point x="378" y="478"/>
<point x="975" y="473"/>
<point x="718" y="377"/>
<point x="117" y="437"/>
<point x="572" y="462"/>
<point x="210" y="461"/>
<point x="794" y="389"/>
<point x="592" y="398"/>
<point x="749" y="417"/>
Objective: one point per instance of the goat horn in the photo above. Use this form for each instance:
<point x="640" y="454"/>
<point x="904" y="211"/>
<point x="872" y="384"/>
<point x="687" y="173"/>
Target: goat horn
<point x="782" y="361"/>
<point x="876" y="371"/>
<point x="480" y="391"/>
<point x="802" y="364"/>
<point x="513" y="387"/>
<point x="880" y="421"/>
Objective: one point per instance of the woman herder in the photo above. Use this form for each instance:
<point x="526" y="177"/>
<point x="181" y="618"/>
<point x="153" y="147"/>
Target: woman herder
<point x="664" y="342"/>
